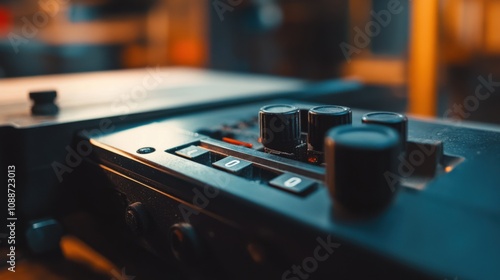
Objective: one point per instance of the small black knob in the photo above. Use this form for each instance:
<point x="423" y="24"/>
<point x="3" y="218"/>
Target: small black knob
<point x="43" y="103"/>
<point x="43" y="236"/>
<point x="361" y="164"/>
<point x="397" y="121"/>
<point x="323" y="118"/>
<point x="137" y="218"/>
<point x="185" y="245"/>
<point x="280" y="127"/>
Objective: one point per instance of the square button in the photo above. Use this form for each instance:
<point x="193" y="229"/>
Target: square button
<point x="292" y="183"/>
<point x="195" y="153"/>
<point x="235" y="166"/>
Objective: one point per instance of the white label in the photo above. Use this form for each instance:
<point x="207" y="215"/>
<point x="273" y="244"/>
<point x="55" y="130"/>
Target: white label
<point x="292" y="182"/>
<point x="232" y="163"/>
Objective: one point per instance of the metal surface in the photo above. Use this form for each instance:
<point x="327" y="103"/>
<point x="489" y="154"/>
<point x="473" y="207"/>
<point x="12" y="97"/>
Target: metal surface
<point x="448" y="229"/>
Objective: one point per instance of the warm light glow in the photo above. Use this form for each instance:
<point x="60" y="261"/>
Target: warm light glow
<point x="188" y="52"/>
<point x="312" y="159"/>
<point x="423" y="57"/>
<point x="491" y="22"/>
<point x="74" y="249"/>
<point x="237" y="142"/>
<point x="448" y="169"/>
<point x="377" y="70"/>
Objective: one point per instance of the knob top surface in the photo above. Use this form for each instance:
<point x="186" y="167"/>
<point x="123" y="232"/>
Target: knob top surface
<point x="279" y="109"/>
<point x="385" y="117"/>
<point x="43" y="96"/>
<point x="330" y="110"/>
<point x="364" y="136"/>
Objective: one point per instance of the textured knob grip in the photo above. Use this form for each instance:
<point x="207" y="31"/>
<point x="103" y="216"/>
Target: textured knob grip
<point x="280" y="127"/>
<point x="323" y="118"/>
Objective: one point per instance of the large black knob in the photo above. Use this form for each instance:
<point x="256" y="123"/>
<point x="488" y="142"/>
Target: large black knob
<point x="323" y="118"/>
<point x="361" y="166"/>
<point x="397" y="121"/>
<point x="280" y="127"/>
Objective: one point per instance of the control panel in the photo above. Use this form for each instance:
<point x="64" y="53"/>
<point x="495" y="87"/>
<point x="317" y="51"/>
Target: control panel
<point x="259" y="187"/>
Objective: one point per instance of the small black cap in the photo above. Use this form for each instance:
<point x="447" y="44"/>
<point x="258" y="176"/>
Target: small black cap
<point x="397" y="121"/>
<point x="43" y="103"/>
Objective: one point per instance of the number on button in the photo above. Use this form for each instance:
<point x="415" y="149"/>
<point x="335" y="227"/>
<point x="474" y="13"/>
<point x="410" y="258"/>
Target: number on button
<point x="292" y="182"/>
<point x="232" y="163"/>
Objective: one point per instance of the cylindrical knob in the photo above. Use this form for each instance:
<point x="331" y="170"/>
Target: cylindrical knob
<point x="397" y="121"/>
<point x="361" y="166"/>
<point x="185" y="245"/>
<point x="323" y="118"/>
<point x="43" y="236"/>
<point x="43" y="103"/>
<point x="280" y="127"/>
<point x="137" y="218"/>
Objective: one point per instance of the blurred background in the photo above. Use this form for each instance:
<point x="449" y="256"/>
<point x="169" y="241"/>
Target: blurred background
<point x="425" y="57"/>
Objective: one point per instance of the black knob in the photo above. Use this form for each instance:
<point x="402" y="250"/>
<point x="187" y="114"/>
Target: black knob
<point x="361" y="166"/>
<point x="43" y="236"/>
<point x="397" y="121"/>
<point x="136" y="218"/>
<point x="280" y="127"/>
<point x="185" y="245"/>
<point x="43" y="103"/>
<point x="323" y="118"/>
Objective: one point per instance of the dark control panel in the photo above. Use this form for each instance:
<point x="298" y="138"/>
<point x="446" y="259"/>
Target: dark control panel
<point x="286" y="190"/>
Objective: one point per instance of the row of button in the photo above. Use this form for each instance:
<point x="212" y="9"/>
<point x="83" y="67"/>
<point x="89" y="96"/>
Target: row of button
<point x="287" y="181"/>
